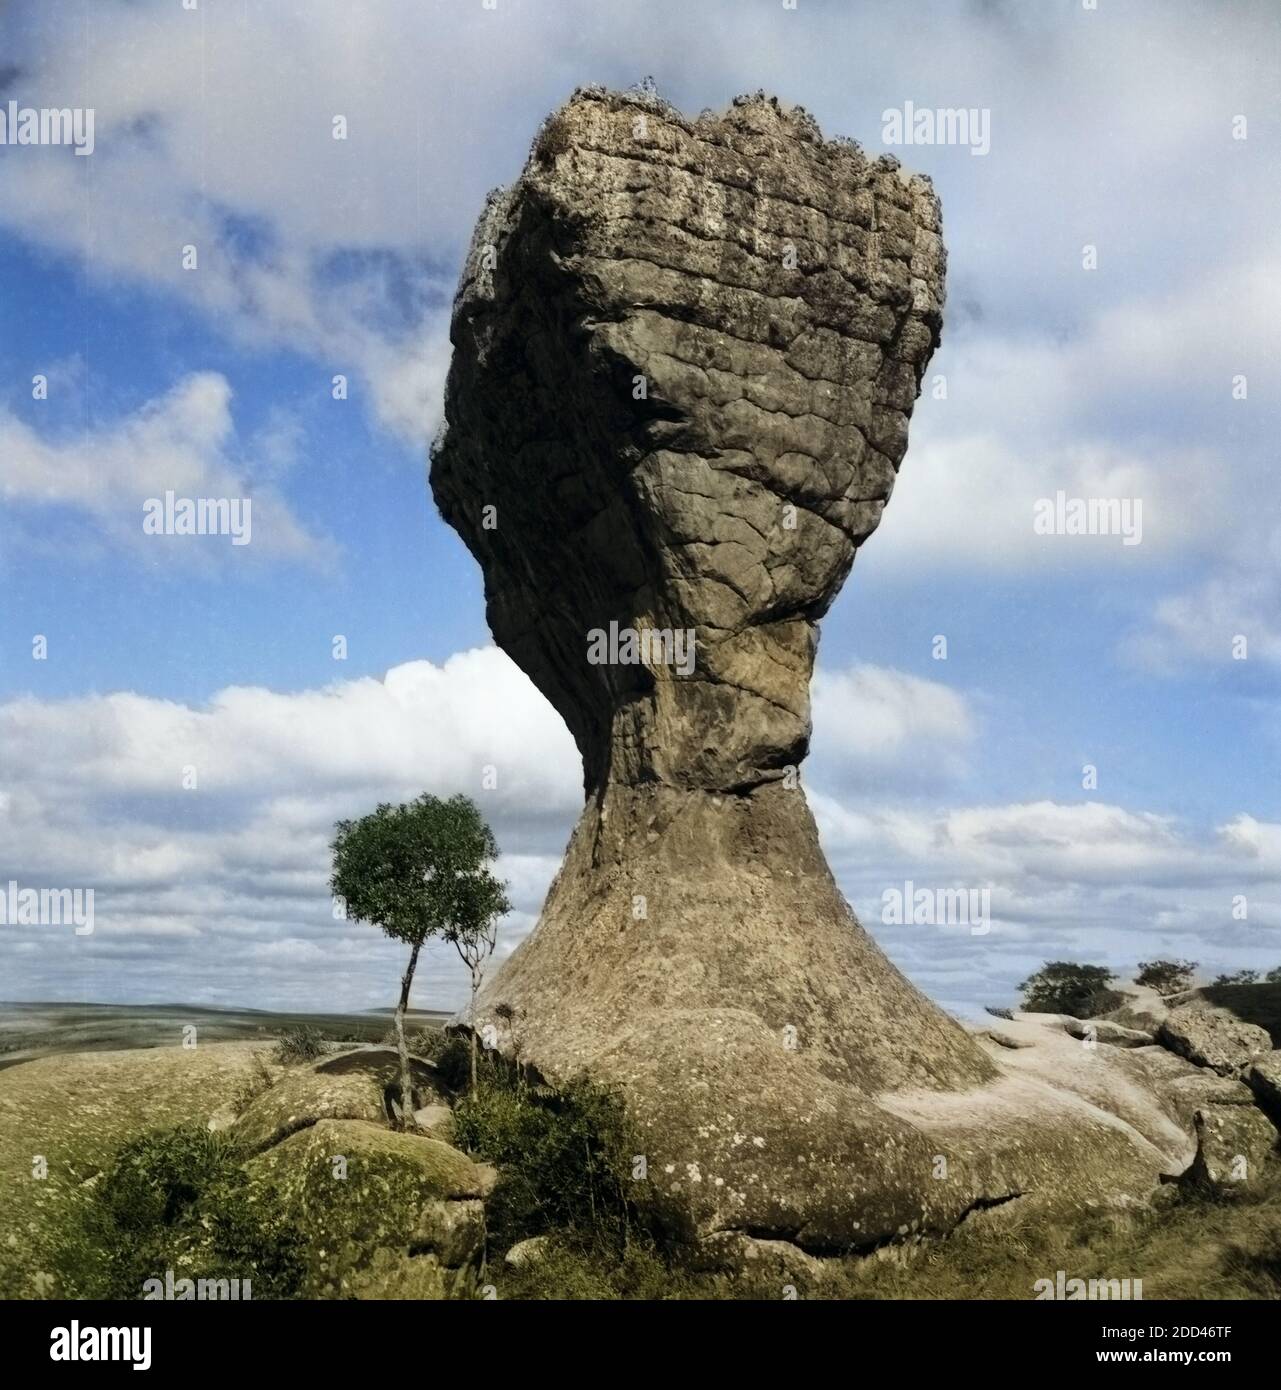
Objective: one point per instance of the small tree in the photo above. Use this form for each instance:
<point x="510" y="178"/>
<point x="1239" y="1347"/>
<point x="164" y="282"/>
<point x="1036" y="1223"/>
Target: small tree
<point x="416" y="871"/>
<point x="1166" y="976"/>
<point x="1065" y="987"/>
<point x="475" y="946"/>
<point x="1238" y="977"/>
<point x="1273" y="977"/>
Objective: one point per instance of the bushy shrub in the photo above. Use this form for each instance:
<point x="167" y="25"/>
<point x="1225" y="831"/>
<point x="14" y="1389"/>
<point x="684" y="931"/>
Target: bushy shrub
<point x="1066" y="987"/>
<point x="564" y="1157"/>
<point x="1166" y="976"/>
<point x="177" y="1199"/>
<point x="301" y="1044"/>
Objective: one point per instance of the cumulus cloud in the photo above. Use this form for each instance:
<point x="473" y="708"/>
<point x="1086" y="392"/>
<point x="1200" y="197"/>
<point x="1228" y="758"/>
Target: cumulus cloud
<point x="183" y="442"/>
<point x="1088" y="881"/>
<point x="219" y="889"/>
<point x="215" y="127"/>
<point x="217" y="893"/>
<point x="874" y="718"/>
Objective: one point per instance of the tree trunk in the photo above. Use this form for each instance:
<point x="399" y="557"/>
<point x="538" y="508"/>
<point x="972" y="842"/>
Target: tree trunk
<point x="475" y="985"/>
<point x="406" y="1080"/>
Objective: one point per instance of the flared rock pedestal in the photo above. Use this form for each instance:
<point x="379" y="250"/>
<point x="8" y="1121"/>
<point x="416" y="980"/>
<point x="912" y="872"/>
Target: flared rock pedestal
<point x="685" y="355"/>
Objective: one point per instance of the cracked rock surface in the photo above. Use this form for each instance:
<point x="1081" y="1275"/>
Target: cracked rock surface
<point x="685" y="356"/>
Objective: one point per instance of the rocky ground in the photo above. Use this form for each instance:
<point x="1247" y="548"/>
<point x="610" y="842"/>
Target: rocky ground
<point x="1192" y="1080"/>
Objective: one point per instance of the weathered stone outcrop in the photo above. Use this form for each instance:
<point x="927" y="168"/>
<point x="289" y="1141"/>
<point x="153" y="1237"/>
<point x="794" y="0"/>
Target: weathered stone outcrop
<point x="685" y="355"/>
<point x="1213" y="1036"/>
<point x="1233" y="1143"/>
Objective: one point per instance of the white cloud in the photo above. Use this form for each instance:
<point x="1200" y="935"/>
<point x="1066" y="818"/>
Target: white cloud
<point x="183" y="442"/>
<point x="876" y="718"/>
<point x="219" y="894"/>
<point x="1088" y="881"/>
<point x="225" y="886"/>
<point x="214" y="128"/>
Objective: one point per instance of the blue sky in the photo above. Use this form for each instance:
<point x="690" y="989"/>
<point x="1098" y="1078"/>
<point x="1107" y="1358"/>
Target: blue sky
<point x="1112" y="128"/>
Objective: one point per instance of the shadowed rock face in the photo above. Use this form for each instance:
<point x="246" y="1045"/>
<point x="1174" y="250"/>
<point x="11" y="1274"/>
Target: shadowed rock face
<point x="685" y="357"/>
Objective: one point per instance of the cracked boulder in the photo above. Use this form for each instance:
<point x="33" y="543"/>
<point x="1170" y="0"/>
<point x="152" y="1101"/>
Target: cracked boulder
<point x="384" y="1214"/>
<point x="1213" y="1036"/>
<point x="1264" y="1079"/>
<point x="685" y="356"/>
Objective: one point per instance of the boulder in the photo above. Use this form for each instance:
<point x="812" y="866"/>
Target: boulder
<point x="354" y="1188"/>
<point x="437" y="1121"/>
<point x="735" y="1253"/>
<point x="1264" y="1080"/>
<point x="382" y="1064"/>
<point x="1233" y="1142"/>
<point x="303" y="1096"/>
<point x="1213" y="1036"/>
<point x="527" y="1252"/>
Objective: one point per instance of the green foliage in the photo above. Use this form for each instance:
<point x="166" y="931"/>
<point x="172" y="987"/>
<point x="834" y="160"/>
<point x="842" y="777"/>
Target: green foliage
<point x="1166" y="976"/>
<point x="564" y="1157"/>
<point x="1238" y="977"/>
<point x="300" y="1044"/>
<point x="259" y="1079"/>
<point x="1066" y="987"/>
<point x="176" y="1199"/>
<point x="451" y="1053"/>
<point x="419" y="869"/>
<point x="1273" y="977"/>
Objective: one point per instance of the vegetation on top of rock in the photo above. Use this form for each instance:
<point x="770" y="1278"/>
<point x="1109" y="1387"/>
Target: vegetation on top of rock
<point x="1068" y="987"/>
<point x="1166" y="976"/>
<point x="176" y="1199"/>
<point x="564" y="1158"/>
<point x="1238" y="977"/>
<point x="301" y="1044"/>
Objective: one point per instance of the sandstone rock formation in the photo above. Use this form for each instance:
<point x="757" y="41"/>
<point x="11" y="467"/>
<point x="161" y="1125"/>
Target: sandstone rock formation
<point x="685" y="355"/>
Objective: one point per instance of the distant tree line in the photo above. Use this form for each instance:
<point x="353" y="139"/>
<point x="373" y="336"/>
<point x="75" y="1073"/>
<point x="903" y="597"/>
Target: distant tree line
<point x="1085" y="991"/>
